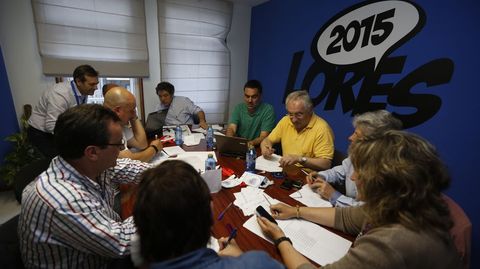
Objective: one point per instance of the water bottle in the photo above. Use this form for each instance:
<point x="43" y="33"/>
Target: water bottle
<point x="210" y="163"/>
<point x="178" y="135"/>
<point x="250" y="159"/>
<point x="209" y="138"/>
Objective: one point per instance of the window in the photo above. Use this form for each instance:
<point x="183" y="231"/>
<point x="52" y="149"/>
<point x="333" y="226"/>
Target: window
<point x="134" y="85"/>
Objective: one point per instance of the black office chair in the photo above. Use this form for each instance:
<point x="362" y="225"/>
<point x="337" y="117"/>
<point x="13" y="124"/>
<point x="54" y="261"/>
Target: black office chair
<point x="28" y="173"/>
<point x="338" y="157"/>
<point x="9" y="247"/>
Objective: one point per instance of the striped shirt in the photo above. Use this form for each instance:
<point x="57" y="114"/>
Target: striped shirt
<point x="67" y="220"/>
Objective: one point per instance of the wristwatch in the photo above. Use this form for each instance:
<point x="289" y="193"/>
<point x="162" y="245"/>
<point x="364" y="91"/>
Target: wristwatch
<point x="303" y="160"/>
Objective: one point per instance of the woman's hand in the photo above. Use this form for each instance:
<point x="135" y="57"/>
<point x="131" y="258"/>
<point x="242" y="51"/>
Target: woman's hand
<point x="283" y="211"/>
<point x="270" y="229"/>
<point x="229" y="249"/>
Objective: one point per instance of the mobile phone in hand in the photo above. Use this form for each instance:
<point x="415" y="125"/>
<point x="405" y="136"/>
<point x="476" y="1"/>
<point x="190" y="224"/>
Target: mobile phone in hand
<point x="262" y="212"/>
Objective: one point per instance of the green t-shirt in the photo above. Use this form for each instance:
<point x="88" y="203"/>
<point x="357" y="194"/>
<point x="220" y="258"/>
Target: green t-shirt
<point x="250" y="126"/>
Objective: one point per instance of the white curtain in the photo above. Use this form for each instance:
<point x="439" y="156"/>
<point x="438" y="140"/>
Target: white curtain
<point x="193" y="53"/>
<point x="108" y="34"/>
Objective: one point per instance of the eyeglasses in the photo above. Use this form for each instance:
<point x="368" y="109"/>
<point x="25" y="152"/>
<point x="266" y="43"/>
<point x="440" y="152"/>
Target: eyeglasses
<point x="297" y="115"/>
<point x="120" y="145"/>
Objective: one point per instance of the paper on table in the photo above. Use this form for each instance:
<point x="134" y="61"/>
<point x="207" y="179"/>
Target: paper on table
<point x="310" y="239"/>
<point x="173" y="150"/>
<point x="310" y="198"/>
<point x="194" y="158"/>
<point x="249" y="198"/>
<point x="193" y="139"/>
<point x="252" y="179"/>
<point x="270" y="165"/>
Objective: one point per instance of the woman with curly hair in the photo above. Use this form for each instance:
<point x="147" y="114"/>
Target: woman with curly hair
<point x="404" y="222"/>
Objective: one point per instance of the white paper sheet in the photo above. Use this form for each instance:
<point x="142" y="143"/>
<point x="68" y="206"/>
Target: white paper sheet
<point x="270" y="165"/>
<point x="173" y="150"/>
<point x="310" y="198"/>
<point x="310" y="239"/>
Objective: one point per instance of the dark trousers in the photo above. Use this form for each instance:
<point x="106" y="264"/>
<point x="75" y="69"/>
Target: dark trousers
<point x="42" y="141"/>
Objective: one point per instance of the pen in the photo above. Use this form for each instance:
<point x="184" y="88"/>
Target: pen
<point x="232" y="235"/>
<point x="305" y="172"/>
<point x="267" y="200"/>
<point x="225" y="210"/>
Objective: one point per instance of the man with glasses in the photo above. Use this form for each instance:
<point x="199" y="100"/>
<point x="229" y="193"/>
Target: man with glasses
<point x="123" y="103"/>
<point x="67" y="218"/>
<point x="306" y="138"/>
<point x="55" y="101"/>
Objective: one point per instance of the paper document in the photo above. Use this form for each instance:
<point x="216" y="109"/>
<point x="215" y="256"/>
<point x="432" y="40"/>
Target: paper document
<point x="270" y="165"/>
<point x="310" y="239"/>
<point x="174" y="150"/>
<point x="193" y="139"/>
<point x="249" y="198"/>
<point x="194" y="158"/>
<point x="310" y="198"/>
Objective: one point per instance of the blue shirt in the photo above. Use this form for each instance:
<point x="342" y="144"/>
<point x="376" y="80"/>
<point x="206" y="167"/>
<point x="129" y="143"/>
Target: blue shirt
<point x="342" y="174"/>
<point x="206" y="258"/>
<point x="180" y="111"/>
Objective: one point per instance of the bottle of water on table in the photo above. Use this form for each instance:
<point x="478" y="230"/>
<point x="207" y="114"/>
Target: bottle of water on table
<point x="210" y="163"/>
<point x="178" y="135"/>
<point x="209" y="138"/>
<point x="250" y="159"/>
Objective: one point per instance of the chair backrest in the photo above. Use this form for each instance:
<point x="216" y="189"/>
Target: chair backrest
<point x="461" y="231"/>
<point x="338" y="157"/>
<point x="28" y="173"/>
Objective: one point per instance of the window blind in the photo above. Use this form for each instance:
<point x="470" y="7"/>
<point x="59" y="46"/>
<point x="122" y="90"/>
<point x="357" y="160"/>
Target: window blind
<point x="193" y="52"/>
<point x="110" y="35"/>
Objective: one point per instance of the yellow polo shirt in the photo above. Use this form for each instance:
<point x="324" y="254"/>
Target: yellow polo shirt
<point x="315" y="140"/>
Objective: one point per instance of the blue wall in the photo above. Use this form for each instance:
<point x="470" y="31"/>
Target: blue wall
<point x="439" y="101"/>
<point x="7" y="110"/>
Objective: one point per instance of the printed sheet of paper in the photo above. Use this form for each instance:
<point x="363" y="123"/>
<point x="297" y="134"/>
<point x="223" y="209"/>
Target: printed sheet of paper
<point x="173" y="150"/>
<point x="249" y="198"/>
<point x="310" y="198"/>
<point x="310" y="239"/>
<point x="269" y="165"/>
<point x="194" y="158"/>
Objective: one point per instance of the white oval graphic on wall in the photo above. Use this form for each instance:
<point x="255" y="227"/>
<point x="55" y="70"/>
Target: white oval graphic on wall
<point x="368" y="31"/>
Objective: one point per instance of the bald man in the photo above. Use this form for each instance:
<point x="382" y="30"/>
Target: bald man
<point x="122" y="102"/>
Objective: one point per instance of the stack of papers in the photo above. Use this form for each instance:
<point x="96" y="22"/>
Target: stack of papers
<point x="310" y="239"/>
<point x="249" y="198"/>
<point x="194" y="158"/>
<point x="173" y="151"/>
<point x="270" y="165"/>
<point x="310" y="198"/>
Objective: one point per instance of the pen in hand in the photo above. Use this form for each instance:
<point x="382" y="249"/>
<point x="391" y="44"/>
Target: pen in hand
<point x="232" y="235"/>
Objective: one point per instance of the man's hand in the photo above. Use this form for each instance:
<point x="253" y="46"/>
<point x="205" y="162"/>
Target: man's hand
<point x="266" y="147"/>
<point x="289" y="159"/>
<point x="203" y="124"/>
<point x="283" y="211"/>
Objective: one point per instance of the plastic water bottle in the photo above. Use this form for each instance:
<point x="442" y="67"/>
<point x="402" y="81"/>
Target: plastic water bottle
<point x="178" y="135"/>
<point x="250" y="159"/>
<point x="210" y="163"/>
<point x="209" y="138"/>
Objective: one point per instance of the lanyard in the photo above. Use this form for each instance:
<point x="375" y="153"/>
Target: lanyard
<point x="75" y="94"/>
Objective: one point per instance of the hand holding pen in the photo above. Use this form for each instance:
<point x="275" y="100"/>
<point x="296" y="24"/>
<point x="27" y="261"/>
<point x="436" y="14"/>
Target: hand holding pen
<point x="228" y="246"/>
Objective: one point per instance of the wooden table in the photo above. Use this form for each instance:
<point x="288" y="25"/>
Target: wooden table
<point x="234" y="216"/>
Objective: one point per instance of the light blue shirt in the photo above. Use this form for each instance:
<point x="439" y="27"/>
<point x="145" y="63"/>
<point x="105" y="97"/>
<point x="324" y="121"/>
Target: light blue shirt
<point x="180" y="111"/>
<point x="341" y="174"/>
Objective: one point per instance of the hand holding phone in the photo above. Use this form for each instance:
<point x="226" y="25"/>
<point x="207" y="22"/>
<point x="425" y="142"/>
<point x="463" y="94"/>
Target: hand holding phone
<point x="260" y="211"/>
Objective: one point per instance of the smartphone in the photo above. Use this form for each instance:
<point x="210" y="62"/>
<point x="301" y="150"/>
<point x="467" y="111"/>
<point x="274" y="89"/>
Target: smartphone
<point x="262" y="212"/>
<point x="286" y="184"/>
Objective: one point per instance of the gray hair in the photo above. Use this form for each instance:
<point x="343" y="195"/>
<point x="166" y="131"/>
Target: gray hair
<point x="376" y="122"/>
<point x="302" y="96"/>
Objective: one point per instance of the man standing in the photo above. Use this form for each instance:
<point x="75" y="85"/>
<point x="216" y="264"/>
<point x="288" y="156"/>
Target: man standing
<point x="123" y="103"/>
<point x="178" y="109"/>
<point x="306" y="138"/>
<point x="67" y="218"/>
<point x="55" y="101"/>
<point x="253" y="119"/>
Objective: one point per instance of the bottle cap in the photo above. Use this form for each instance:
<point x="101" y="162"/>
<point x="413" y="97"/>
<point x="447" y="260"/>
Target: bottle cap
<point x="210" y="155"/>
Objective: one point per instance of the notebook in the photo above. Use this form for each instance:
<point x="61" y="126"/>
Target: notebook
<point x="231" y="146"/>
